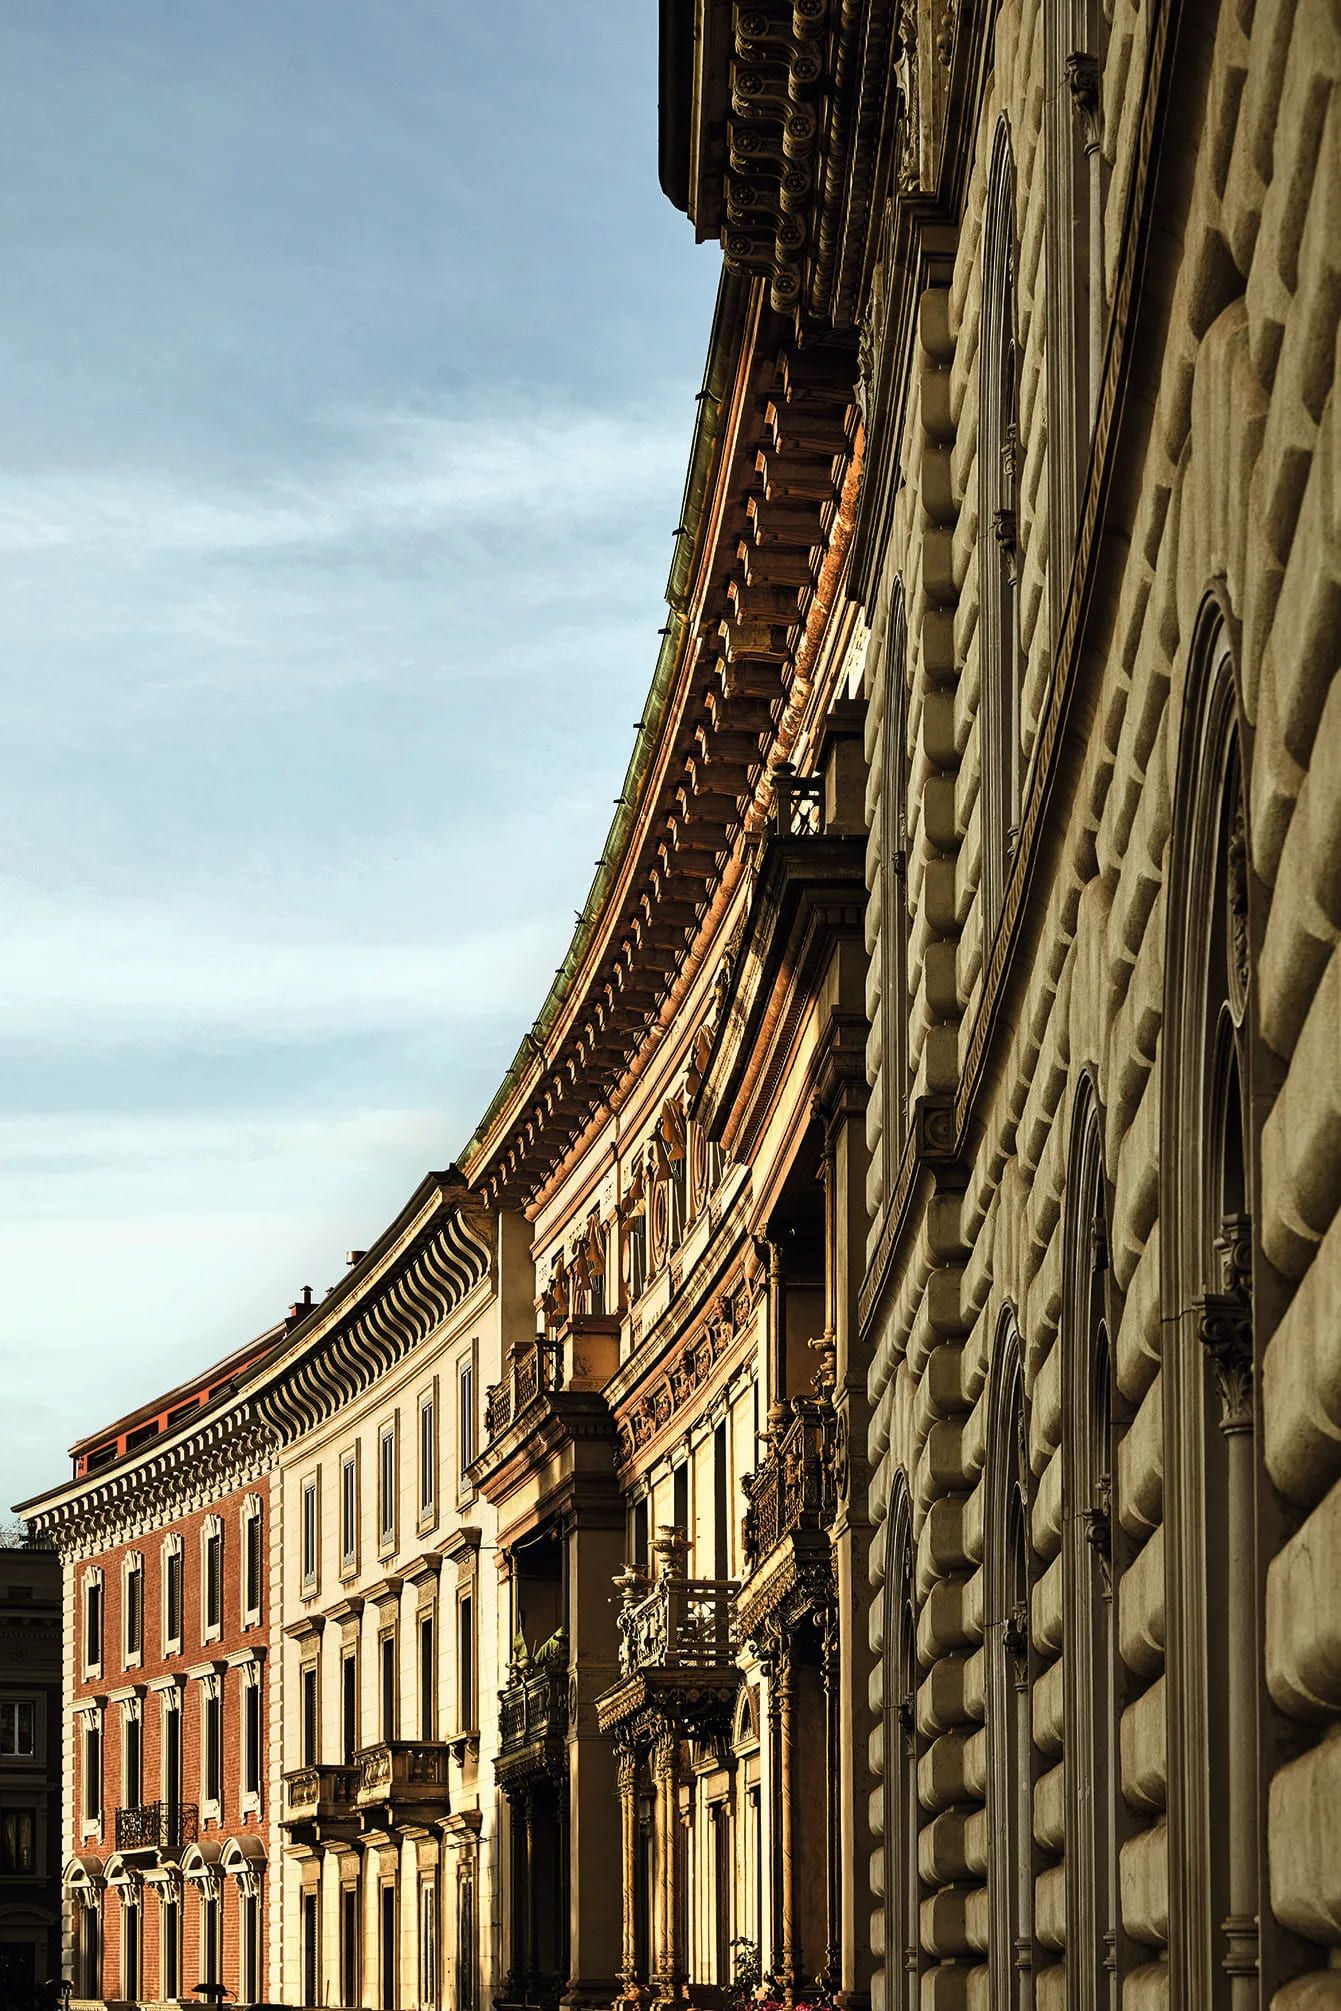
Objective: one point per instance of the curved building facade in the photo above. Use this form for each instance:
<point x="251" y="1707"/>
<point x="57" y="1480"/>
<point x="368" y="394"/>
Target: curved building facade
<point x="837" y="1497"/>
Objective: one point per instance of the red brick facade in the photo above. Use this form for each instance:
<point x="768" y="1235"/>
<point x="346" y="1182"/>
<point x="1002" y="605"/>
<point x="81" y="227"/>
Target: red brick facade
<point x="178" y="1728"/>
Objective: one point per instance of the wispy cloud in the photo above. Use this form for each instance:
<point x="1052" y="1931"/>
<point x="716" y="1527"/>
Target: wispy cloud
<point x="388" y="475"/>
<point x="137" y="970"/>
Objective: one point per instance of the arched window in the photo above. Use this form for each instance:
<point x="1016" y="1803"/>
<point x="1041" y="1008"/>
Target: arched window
<point x="1214" y="1655"/>
<point x="1093" y="1772"/>
<point x="1075" y="53"/>
<point x="903" y="1963"/>
<point x="999" y="538"/>
<point x="1010" y="1869"/>
<point x="895" y="915"/>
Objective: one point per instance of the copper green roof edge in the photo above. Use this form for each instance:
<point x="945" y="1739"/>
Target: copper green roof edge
<point x="729" y="313"/>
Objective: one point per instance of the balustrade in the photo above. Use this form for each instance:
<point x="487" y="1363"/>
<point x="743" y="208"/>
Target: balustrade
<point x="679" y="1623"/>
<point x="533" y="1366"/>
<point x="316" y="1794"/>
<point x="795" y="1487"/>
<point x="533" y="1707"/>
<point x="409" y="1771"/>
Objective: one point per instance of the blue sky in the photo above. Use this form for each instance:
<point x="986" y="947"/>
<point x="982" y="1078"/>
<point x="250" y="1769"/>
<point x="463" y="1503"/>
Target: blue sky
<point x="349" y="351"/>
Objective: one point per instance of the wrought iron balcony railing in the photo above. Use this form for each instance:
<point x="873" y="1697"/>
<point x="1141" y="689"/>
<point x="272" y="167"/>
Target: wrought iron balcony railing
<point x="320" y="1794"/>
<point x="163" y="1826"/>
<point x="798" y="804"/>
<point x="795" y="1487"/>
<point x="533" y="1707"/>
<point x="404" y="1771"/>
<point x="681" y="1623"/>
<point x="533" y="1366"/>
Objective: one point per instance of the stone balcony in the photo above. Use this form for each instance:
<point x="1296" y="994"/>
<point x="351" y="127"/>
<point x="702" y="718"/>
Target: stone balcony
<point x="156" y="1832"/>
<point x="534" y="1368"/>
<point x="402" y="1784"/>
<point x="533" y="1723"/>
<point x="320" y="1804"/>
<point x="549" y="1403"/>
<point x="793" y="1501"/>
<point x="677" y="1651"/>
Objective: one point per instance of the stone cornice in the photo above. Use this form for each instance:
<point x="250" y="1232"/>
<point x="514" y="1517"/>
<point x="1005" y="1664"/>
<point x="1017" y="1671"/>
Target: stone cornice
<point x="433" y="1256"/>
<point x="424" y="1266"/>
<point x="776" y="120"/>
<point x="761" y="512"/>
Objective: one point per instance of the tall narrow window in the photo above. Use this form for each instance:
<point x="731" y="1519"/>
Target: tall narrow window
<point x="310" y="1534"/>
<point x="428" y="1456"/>
<point x="386" y="1487"/>
<point x="172" y="1948"/>
<point x="1077" y="315"/>
<point x="134" y="1595"/>
<point x="680" y="1496"/>
<point x="428" y="1679"/>
<point x="349" y="1706"/>
<point x="172" y="1754"/>
<point x="250" y="1927"/>
<point x="211" y="1938"/>
<point x="467" y="1957"/>
<point x="903" y="1952"/>
<point x="131" y="1760"/>
<point x="310" y="1730"/>
<point x="639" y="1533"/>
<point x="172" y="1595"/>
<point x="351" y="1985"/>
<point x="465" y="1419"/>
<point x="92" y="1771"/>
<point x="388" y="1950"/>
<point x="1010" y="1873"/>
<point x="387" y="1651"/>
<point x="465" y="1668"/>
<point x="999" y="542"/>
<point x="721" y="1509"/>
<point x="93" y="1622"/>
<point x="251" y="1738"/>
<point x="349" y="1512"/>
<point x="428" y="1941"/>
<point x="1222" y="1927"/>
<point x="1091" y="1662"/>
<point x="251" y="1563"/>
<point x="130" y="1949"/>
<point x="895" y="930"/>
<point x="211" y="1780"/>
<point x="211" y="1600"/>
<point x="311" y="1937"/>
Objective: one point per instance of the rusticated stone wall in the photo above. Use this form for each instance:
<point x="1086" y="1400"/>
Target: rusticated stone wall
<point x="1056" y="1195"/>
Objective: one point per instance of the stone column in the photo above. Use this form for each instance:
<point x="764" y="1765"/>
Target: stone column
<point x="594" y="1543"/>
<point x="626" y="1773"/>
<point x="777" y="1329"/>
<point x="852" y="1782"/>
<point x="788" y="1968"/>
<point x="666" y="1773"/>
<point x="831" y="1664"/>
<point x="520" y="1967"/>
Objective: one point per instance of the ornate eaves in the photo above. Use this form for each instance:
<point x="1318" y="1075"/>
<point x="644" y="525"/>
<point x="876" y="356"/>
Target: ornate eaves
<point x="762" y="504"/>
